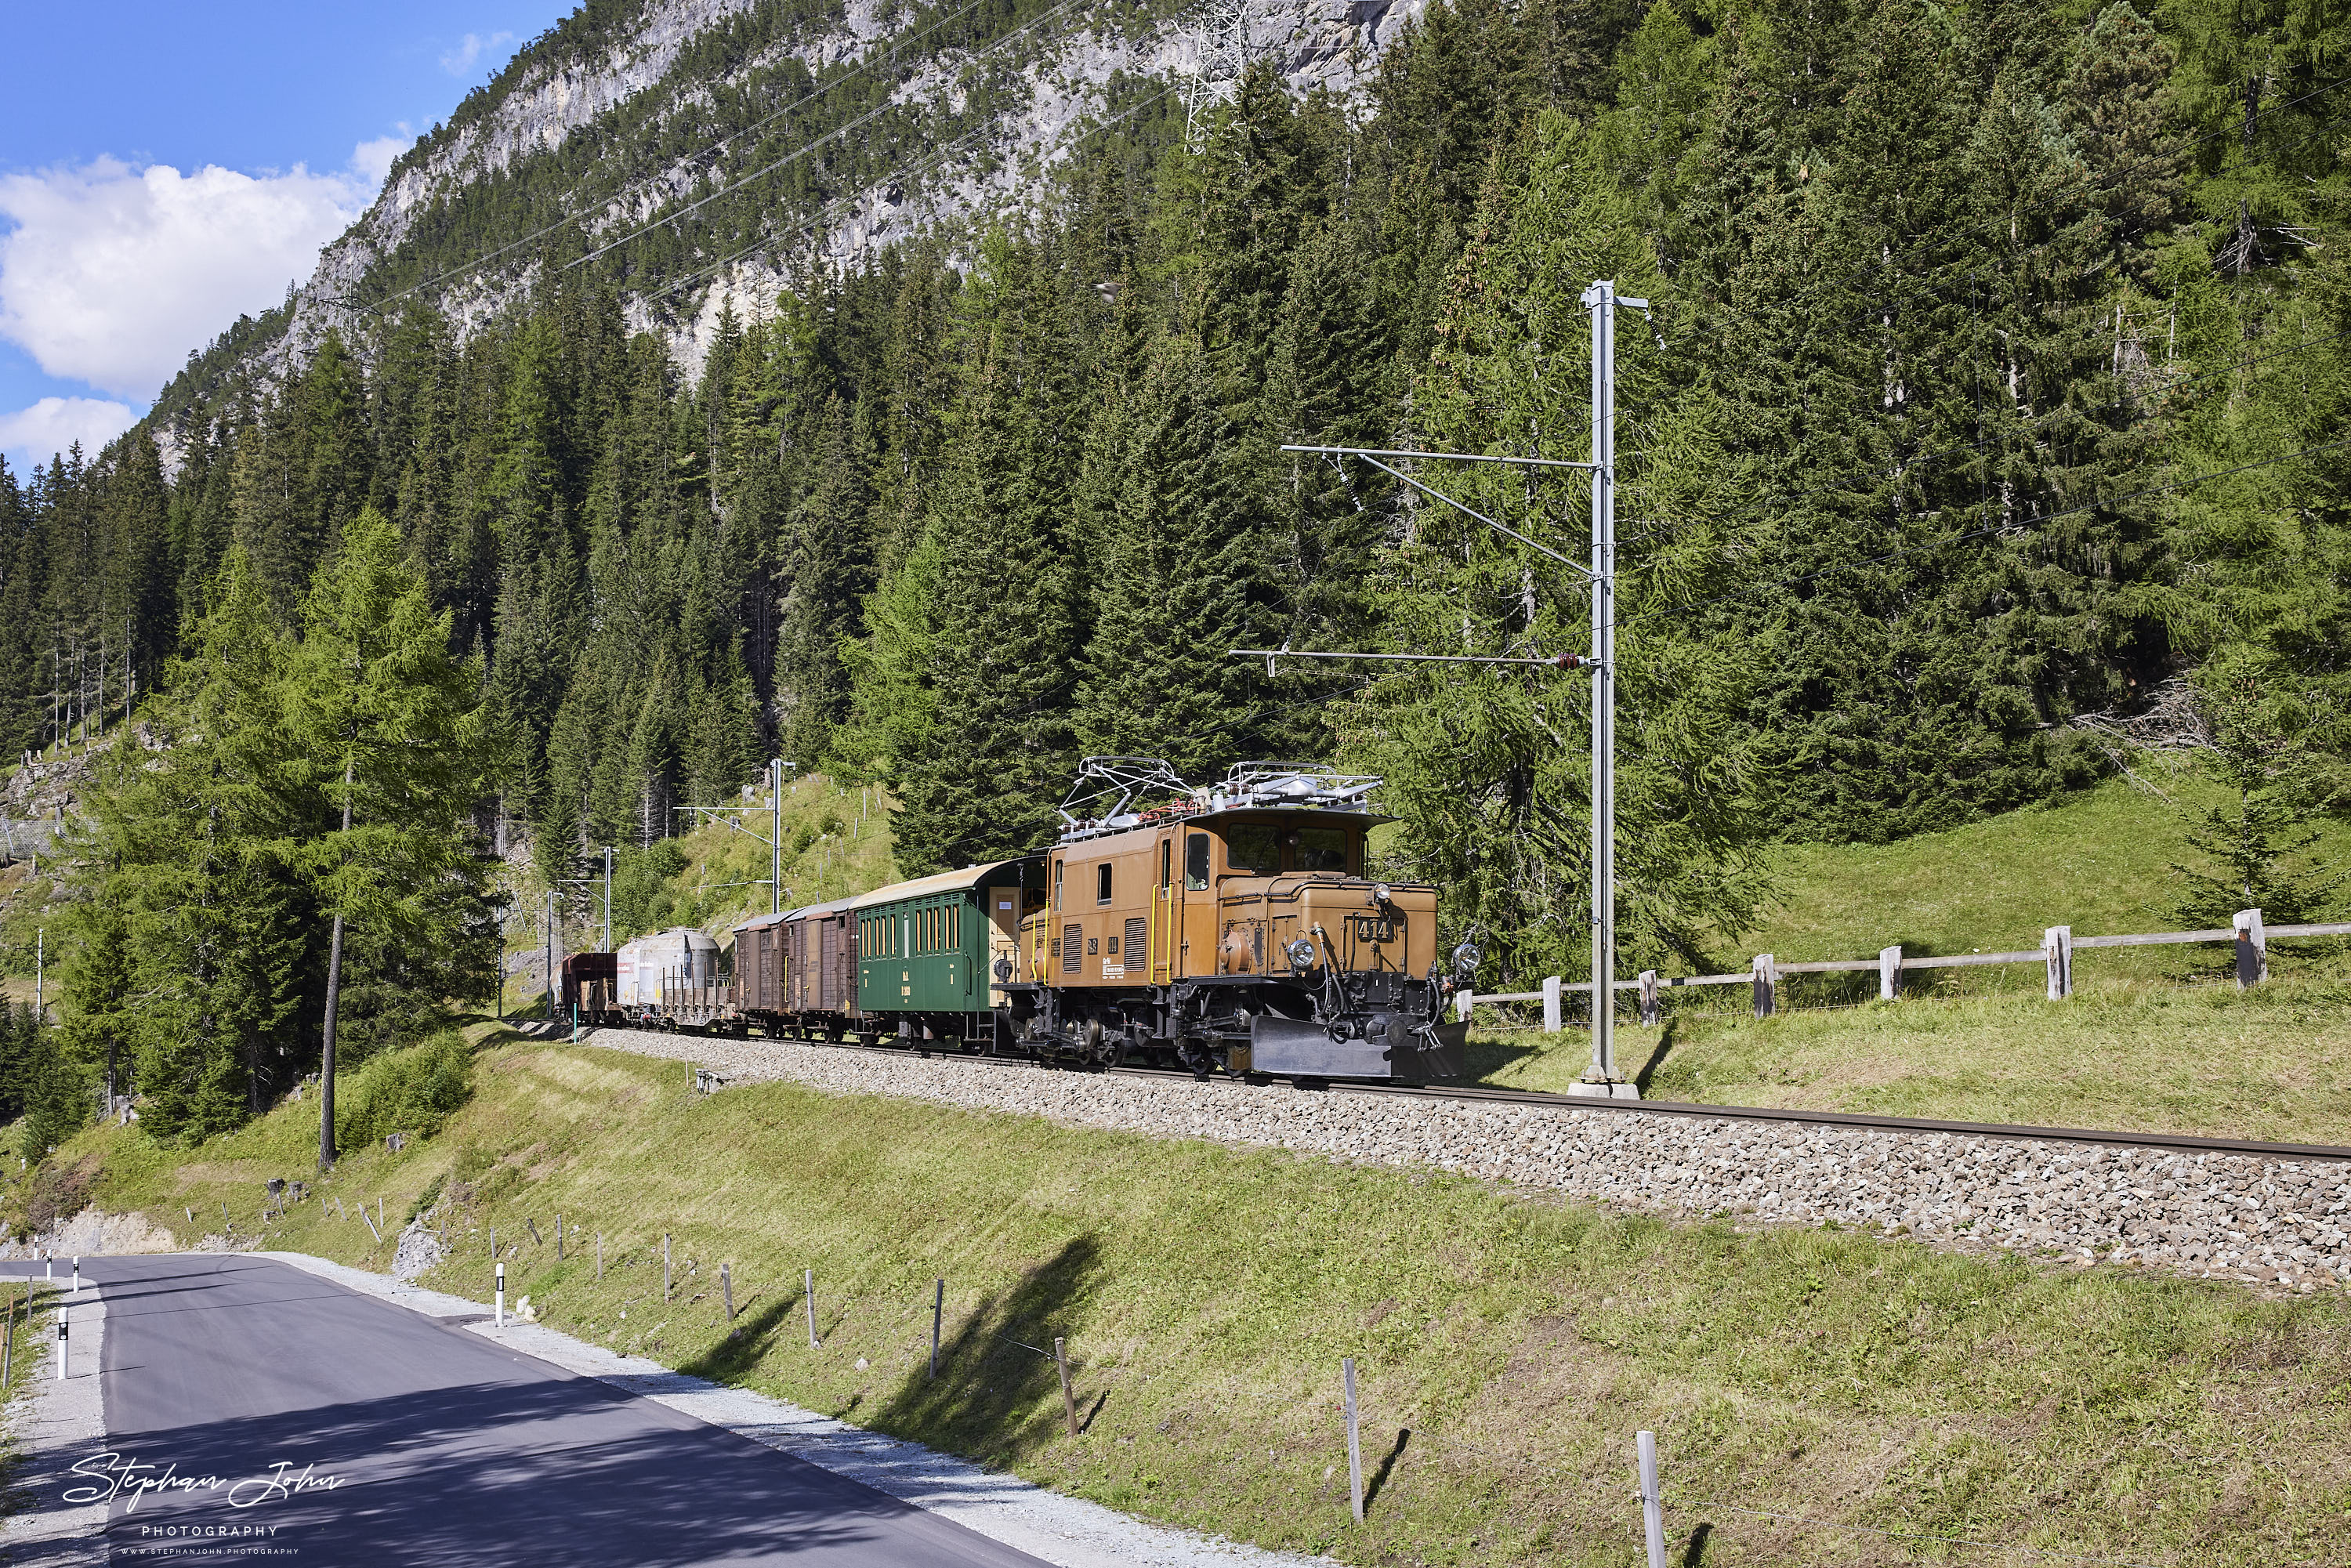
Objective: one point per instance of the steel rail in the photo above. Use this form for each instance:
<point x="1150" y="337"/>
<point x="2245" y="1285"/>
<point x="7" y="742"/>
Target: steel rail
<point x="1475" y="1093"/>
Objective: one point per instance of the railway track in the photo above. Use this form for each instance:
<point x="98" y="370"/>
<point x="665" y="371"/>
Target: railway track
<point x="2183" y="1141"/>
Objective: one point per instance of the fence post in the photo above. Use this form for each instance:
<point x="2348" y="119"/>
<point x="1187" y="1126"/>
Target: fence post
<point x="727" y="1289"/>
<point x="600" y="1254"/>
<point x="2057" y="948"/>
<point x="1889" y="972"/>
<point x="1767" y="986"/>
<point x="938" y="1302"/>
<point x="664" y="1265"/>
<point x="1653" y="1507"/>
<point x="808" y="1290"/>
<point x="1648" y="996"/>
<point x="1461" y="1004"/>
<point x="1552" y="1021"/>
<point x="2252" y="950"/>
<point x="1068" y="1400"/>
<point x="1355" y="1440"/>
<point x="558" y="1239"/>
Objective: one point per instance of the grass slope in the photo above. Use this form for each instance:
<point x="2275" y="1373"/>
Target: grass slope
<point x="1510" y="1346"/>
<point x="2153" y="1037"/>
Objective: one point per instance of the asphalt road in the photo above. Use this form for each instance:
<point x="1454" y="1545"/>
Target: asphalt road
<point x="444" y="1447"/>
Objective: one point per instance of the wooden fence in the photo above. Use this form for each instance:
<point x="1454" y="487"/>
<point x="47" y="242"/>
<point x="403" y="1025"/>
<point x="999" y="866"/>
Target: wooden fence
<point x="2055" y="955"/>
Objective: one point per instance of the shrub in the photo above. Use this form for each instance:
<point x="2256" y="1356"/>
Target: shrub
<point x="413" y="1091"/>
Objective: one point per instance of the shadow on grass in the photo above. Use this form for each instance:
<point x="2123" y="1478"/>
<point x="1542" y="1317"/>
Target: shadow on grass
<point x="1694" y="1554"/>
<point x="1380" y="1476"/>
<point x="997" y="1395"/>
<point x="756" y="1332"/>
<point x="1668" y="1037"/>
<point x="1486" y="1056"/>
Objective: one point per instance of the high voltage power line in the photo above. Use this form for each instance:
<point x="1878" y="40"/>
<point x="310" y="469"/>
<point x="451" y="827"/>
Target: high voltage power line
<point x="864" y="68"/>
<point x="861" y="69"/>
<point x="907" y="171"/>
<point x="806" y="148"/>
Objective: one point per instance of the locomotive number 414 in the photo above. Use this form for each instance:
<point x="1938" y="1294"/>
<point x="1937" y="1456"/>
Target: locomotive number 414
<point x="1372" y="928"/>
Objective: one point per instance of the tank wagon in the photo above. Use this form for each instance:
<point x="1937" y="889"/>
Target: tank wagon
<point x="677" y="979"/>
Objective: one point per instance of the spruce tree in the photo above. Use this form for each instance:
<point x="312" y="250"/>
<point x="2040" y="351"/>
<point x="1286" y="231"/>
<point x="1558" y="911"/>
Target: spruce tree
<point x="387" y="727"/>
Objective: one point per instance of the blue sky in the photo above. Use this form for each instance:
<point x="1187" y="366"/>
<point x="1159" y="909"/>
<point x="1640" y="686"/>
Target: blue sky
<point x="163" y="167"/>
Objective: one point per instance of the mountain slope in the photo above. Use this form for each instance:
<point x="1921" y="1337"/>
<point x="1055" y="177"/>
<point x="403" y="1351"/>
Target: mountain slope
<point x="766" y="136"/>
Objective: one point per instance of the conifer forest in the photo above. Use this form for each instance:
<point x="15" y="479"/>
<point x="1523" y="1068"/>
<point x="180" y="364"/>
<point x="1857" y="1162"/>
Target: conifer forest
<point x="1996" y="387"/>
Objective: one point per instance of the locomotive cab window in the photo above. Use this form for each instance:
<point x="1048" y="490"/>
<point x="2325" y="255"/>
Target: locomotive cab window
<point x="1323" y="849"/>
<point x="1195" y="863"/>
<point x="1253" y="849"/>
<point x="1102" y="882"/>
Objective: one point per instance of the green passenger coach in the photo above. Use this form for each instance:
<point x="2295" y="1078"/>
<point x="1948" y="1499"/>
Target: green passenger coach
<point x="927" y="951"/>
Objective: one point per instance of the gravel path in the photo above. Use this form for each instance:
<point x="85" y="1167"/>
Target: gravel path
<point x="2281" y="1223"/>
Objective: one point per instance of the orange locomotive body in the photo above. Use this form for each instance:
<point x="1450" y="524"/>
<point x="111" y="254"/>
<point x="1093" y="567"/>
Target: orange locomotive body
<point x="1234" y="928"/>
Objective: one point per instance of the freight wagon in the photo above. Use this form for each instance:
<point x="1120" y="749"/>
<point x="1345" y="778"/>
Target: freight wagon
<point x="674" y="979"/>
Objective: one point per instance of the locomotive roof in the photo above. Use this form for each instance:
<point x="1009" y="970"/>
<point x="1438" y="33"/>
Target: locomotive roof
<point x="1149" y="821"/>
<point x="941" y="882"/>
<point x="1290" y="787"/>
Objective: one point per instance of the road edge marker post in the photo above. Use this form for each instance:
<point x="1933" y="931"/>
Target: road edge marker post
<point x="502" y="1296"/>
<point x="61" y="1343"/>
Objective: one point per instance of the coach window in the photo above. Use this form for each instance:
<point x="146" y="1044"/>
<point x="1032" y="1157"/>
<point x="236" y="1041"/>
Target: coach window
<point x="1102" y="882"/>
<point x="1195" y="863"/>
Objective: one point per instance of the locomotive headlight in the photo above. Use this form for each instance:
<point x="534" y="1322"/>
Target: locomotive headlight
<point x="1302" y="953"/>
<point x="1466" y="959"/>
<point x="1382" y="892"/>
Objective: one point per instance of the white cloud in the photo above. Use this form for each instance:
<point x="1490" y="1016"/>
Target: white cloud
<point x="459" y="61"/>
<point x="31" y="436"/>
<point x="113" y="273"/>
<point x="371" y="161"/>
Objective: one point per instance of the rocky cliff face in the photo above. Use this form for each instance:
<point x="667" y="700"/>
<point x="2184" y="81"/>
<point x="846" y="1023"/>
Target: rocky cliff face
<point x="1068" y="63"/>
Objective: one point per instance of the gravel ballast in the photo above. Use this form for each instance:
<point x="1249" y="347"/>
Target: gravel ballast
<point x="2279" y="1223"/>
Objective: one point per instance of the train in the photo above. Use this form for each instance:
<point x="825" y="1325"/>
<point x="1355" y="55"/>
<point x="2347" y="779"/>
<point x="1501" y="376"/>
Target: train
<point x="1231" y="928"/>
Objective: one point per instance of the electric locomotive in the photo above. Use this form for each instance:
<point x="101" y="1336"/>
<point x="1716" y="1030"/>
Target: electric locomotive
<point x="1229" y="927"/>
